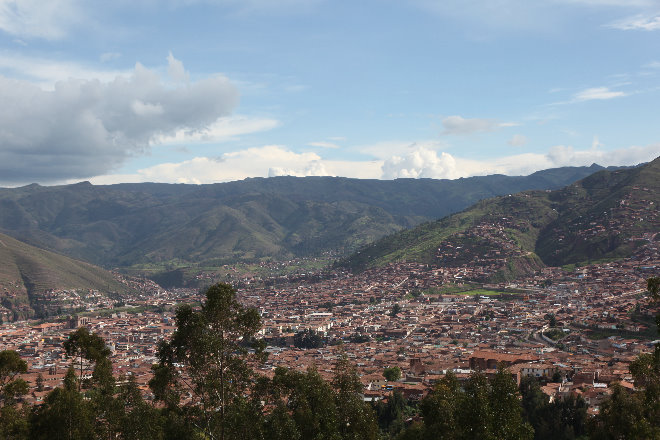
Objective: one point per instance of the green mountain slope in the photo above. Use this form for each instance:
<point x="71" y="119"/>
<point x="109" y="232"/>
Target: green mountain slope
<point x="607" y="215"/>
<point x="283" y="217"/>
<point x="26" y="272"/>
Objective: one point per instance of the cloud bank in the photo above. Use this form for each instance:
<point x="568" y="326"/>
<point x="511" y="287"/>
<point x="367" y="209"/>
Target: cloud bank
<point x="419" y="161"/>
<point x="84" y="128"/>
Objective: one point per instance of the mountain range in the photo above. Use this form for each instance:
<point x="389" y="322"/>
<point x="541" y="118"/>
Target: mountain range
<point x="135" y="224"/>
<point x="605" y="216"/>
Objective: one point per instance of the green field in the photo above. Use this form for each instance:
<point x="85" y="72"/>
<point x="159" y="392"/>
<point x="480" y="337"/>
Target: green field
<point x="468" y="290"/>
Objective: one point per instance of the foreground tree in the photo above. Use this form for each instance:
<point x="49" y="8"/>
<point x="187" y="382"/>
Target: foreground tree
<point x="84" y="345"/>
<point x="439" y="409"/>
<point x="481" y="409"/>
<point x="563" y="419"/>
<point x="635" y="415"/>
<point x="212" y="346"/>
<point x="13" y="419"/>
<point x="11" y="386"/>
<point x="504" y="399"/>
<point x="64" y="414"/>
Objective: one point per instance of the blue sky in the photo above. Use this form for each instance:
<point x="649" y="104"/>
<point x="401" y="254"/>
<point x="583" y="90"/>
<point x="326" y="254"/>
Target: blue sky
<point x="201" y="91"/>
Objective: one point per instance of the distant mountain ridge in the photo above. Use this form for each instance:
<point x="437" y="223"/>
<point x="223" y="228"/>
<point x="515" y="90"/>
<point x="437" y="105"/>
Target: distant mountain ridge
<point x="608" y="215"/>
<point x="128" y="224"/>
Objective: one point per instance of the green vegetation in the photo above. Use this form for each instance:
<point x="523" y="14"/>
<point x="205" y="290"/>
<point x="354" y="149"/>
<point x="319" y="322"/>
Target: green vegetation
<point x="392" y="374"/>
<point x="555" y="334"/>
<point x="468" y="289"/>
<point x="480" y="409"/>
<point x="26" y="271"/>
<point x="211" y="225"/>
<point x="590" y="220"/>
<point x="308" y="339"/>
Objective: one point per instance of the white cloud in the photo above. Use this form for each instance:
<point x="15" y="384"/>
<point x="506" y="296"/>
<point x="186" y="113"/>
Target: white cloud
<point x="637" y="23"/>
<point x="421" y="163"/>
<point x="457" y="125"/>
<point x="46" y="73"/>
<point x="175" y="69"/>
<point x="561" y="155"/>
<point x="518" y="140"/>
<point x="596" y="143"/>
<point x="597" y="93"/>
<point x="37" y="18"/>
<point x="323" y="145"/>
<point x="84" y="128"/>
<point x="270" y="160"/>
<point x="222" y="130"/>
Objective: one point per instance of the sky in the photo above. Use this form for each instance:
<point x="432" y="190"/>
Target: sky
<point x="205" y="91"/>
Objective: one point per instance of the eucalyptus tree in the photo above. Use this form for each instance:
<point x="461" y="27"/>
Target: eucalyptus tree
<point x="204" y="369"/>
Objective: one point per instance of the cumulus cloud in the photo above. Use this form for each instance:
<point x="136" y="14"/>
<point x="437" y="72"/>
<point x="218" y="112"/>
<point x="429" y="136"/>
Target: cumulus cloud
<point x="518" y="140"/>
<point x="176" y="70"/>
<point x="562" y="155"/>
<point x="421" y="163"/>
<point x="457" y="125"/>
<point x="597" y="93"/>
<point x="266" y="161"/>
<point x="83" y="128"/>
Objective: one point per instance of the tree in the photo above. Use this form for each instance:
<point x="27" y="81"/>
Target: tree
<point x="307" y="339"/>
<point x="392" y="374"/>
<point x="130" y="413"/>
<point x="475" y="416"/>
<point x="13" y="420"/>
<point x="508" y="423"/>
<point x="212" y="345"/>
<point x="622" y="417"/>
<point x="64" y="414"/>
<point x="390" y="414"/>
<point x="11" y="387"/>
<point x="646" y="367"/>
<point x="635" y="415"/>
<point x="356" y="418"/>
<point x="40" y="382"/>
<point x="440" y="409"/>
<point x="85" y="345"/>
<point x="396" y="309"/>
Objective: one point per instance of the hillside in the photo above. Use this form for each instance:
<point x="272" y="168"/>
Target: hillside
<point x="131" y="224"/>
<point x="27" y="272"/>
<point x="609" y="214"/>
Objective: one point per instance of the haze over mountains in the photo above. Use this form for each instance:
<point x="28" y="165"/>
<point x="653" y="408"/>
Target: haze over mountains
<point x="129" y="224"/>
